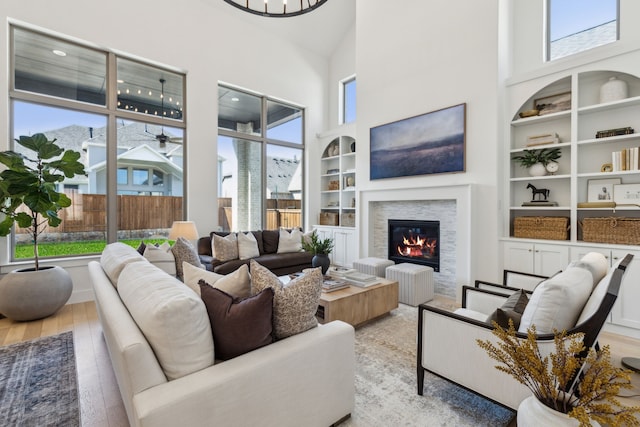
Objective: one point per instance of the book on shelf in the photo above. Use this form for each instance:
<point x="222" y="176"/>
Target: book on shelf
<point x="627" y="159"/>
<point x="597" y="204"/>
<point x="544" y="139"/>
<point x="614" y="132"/>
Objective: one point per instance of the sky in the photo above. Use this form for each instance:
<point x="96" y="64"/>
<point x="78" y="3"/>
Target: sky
<point x="572" y="16"/>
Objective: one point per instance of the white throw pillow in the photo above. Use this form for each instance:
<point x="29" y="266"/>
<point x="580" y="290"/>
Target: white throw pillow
<point x="224" y="248"/>
<point x="115" y="257"/>
<point x="172" y="318"/>
<point x="557" y="302"/>
<point x="162" y="257"/>
<point x="247" y="246"/>
<point x="237" y="283"/>
<point x="290" y="242"/>
<point x="596" y="263"/>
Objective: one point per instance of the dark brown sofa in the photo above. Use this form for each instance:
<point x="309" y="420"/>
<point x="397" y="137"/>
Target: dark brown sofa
<point x="280" y="264"/>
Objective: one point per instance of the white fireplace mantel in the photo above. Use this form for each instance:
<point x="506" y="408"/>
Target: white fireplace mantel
<point x="463" y="197"/>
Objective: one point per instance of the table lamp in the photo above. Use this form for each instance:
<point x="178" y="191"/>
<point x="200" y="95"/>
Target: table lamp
<point x="185" y="229"/>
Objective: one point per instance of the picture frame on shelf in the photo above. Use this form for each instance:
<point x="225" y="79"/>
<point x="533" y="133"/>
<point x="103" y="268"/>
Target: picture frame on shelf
<point x="601" y="190"/>
<point x="553" y="103"/>
<point x="626" y="194"/>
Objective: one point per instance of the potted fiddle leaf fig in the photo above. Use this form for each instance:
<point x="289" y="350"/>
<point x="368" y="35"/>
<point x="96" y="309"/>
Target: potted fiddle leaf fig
<point x="321" y="248"/>
<point x="30" y="199"/>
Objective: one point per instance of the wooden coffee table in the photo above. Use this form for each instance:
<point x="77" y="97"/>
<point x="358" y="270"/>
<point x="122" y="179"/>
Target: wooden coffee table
<point x="356" y="305"/>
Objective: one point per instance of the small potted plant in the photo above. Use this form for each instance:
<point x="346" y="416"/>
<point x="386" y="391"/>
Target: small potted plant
<point x="321" y="248"/>
<point x="536" y="161"/>
<point x="592" y="401"/>
<point x="29" y="198"/>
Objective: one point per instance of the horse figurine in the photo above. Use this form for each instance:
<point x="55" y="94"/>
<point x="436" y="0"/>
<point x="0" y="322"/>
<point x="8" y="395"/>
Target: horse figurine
<point x="543" y="193"/>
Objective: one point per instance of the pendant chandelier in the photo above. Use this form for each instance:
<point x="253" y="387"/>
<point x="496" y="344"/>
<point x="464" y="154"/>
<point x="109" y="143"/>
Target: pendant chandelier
<point x="277" y="8"/>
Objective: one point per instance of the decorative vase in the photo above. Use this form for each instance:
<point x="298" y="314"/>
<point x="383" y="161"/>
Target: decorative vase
<point x="30" y="294"/>
<point x="533" y="413"/>
<point x="321" y="260"/>
<point x="537" y="169"/>
<point x="613" y="90"/>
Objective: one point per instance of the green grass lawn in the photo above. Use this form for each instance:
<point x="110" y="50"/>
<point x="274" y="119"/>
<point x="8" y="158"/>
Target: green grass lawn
<point x="60" y="249"/>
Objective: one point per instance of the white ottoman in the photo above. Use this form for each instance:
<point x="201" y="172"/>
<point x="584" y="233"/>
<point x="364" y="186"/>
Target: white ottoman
<point x="373" y="266"/>
<point x="416" y="282"/>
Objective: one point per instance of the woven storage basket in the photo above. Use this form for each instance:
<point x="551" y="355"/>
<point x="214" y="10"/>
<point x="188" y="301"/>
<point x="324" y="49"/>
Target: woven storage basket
<point x="329" y="218"/>
<point x="348" y="220"/>
<point x="624" y="231"/>
<point x="541" y="227"/>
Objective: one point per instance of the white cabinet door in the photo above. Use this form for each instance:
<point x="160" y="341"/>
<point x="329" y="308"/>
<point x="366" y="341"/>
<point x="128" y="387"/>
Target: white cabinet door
<point x="577" y="252"/>
<point x="626" y="311"/>
<point x="535" y="258"/>
<point x="549" y="259"/>
<point x="327" y="233"/>
<point x="345" y="247"/>
<point x="518" y="256"/>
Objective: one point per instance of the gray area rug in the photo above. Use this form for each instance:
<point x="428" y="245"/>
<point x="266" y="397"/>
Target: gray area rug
<point x="386" y="393"/>
<point x="38" y="383"/>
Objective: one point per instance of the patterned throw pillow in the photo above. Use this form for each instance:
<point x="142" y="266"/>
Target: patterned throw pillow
<point x="225" y="248"/>
<point x="183" y="251"/>
<point x="238" y="326"/>
<point x="294" y="304"/>
<point x="247" y="246"/>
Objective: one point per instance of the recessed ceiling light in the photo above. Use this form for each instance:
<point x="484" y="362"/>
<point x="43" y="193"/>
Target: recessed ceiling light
<point x="59" y="52"/>
<point x="235" y="99"/>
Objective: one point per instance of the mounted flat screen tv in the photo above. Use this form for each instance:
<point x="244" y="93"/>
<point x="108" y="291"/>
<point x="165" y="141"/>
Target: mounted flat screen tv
<point x="431" y="143"/>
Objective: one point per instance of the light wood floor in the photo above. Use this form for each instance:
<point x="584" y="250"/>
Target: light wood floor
<point x="100" y="402"/>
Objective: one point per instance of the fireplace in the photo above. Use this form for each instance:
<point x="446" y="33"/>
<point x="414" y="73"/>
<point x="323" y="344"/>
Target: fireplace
<point x="415" y="241"/>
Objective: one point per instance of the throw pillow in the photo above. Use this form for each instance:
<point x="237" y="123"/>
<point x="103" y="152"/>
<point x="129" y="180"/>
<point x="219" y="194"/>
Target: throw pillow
<point x="173" y="320"/>
<point x="294" y="304"/>
<point x="237" y="283"/>
<point x="183" y="251"/>
<point x="512" y="309"/>
<point x="596" y="263"/>
<point x="224" y="248"/>
<point x="289" y="241"/>
<point x="115" y="257"/>
<point x="238" y="326"/>
<point x="270" y="241"/>
<point x="247" y="246"/>
<point x="141" y="247"/>
<point x="162" y="257"/>
<point x="558" y="301"/>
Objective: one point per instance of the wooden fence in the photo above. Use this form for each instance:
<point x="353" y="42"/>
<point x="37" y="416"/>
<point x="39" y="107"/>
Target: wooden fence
<point x="280" y="213"/>
<point x="88" y="213"/>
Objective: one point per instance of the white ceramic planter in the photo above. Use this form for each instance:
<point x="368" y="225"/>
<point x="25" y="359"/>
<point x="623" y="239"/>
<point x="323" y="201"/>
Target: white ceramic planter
<point x="532" y="413"/>
<point x="537" y="170"/>
<point x="29" y="294"/>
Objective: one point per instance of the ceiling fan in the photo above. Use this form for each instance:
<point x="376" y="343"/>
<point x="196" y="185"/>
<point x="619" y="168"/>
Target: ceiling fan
<point x="162" y="137"/>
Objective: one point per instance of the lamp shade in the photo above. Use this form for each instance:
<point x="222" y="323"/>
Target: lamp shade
<point x="186" y="229"/>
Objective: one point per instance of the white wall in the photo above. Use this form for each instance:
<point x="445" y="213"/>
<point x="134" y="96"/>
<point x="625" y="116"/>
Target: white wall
<point x="421" y="57"/>
<point x="199" y="37"/>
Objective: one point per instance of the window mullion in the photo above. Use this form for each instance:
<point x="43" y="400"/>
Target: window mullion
<point x="112" y="151"/>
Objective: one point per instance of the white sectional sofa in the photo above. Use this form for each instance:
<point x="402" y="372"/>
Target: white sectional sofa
<point x="304" y="380"/>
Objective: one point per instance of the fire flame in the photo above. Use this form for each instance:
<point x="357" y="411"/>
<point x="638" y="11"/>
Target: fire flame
<point x="417" y="246"/>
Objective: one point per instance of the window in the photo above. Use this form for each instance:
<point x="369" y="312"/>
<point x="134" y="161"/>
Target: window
<point x="259" y="178"/>
<point x="62" y="89"/>
<point x="348" y="100"/>
<point x="577" y="25"/>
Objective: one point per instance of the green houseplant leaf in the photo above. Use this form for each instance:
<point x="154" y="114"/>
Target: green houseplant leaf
<point x="317" y="246"/>
<point x="28" y="185"/>
<point x="529" y="158"/>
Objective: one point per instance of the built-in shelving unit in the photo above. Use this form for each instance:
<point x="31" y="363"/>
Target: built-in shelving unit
<point x="338" y="182"/>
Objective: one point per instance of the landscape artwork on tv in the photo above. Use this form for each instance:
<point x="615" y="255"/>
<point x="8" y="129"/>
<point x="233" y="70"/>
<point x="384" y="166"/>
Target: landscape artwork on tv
<point x="427" y="144"/>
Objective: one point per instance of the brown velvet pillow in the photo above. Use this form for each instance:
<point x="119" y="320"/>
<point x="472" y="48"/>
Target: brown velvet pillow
<point x="512" y="309"/>
<point x="238" y="326"/>
<point x="270" y="240"/>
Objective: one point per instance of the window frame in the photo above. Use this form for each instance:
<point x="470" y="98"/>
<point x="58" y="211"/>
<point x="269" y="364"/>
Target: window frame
<point x="110" y="111"/>
<point x="342" y="99"/>
<point x="547" y="34"/>
<point x="265" y="142"/>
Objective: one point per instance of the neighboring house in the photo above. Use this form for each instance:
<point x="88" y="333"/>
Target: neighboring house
<point x="284" y="180"/>
<point x="145" y="167"/>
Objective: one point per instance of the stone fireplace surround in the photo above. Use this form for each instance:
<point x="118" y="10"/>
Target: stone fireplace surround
<point x="451" y="205"/>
